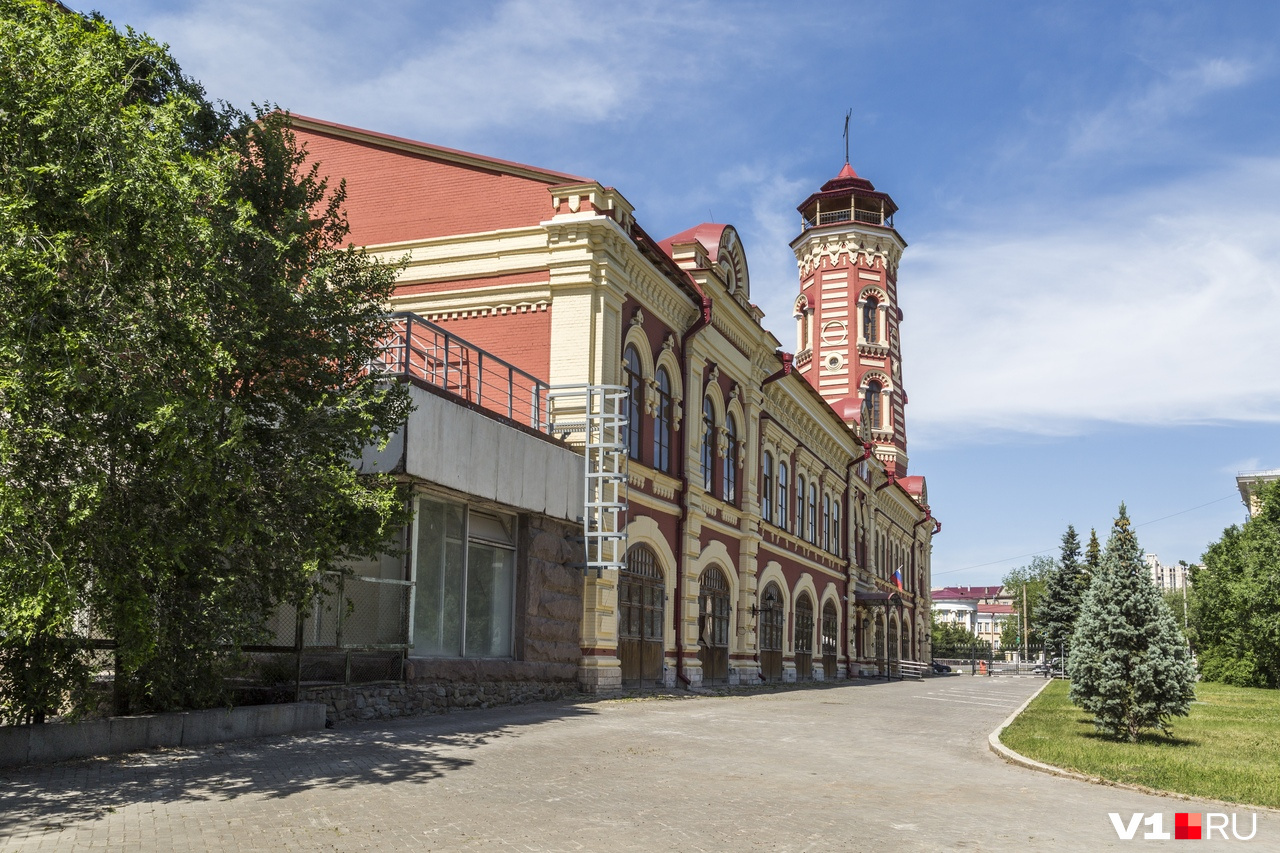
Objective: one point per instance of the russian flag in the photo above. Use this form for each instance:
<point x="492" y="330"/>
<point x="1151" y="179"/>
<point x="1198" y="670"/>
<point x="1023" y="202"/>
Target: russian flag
<point x="897" y="578"/>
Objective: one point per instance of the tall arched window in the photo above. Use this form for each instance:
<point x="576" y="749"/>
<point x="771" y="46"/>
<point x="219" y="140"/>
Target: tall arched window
<point x="708" y="443"/>
<point x="835" y="528"/>
<point x="783" y="519"/>
<point x="874" y="392"/>
<point x="799" y="525"/>
<point x="731" y="460"/>
<point x="662" y="423"/>
<point x="812" y="519"/>
<point x="766" y="487"/>
<point x="826" y="522"/>
<point x="635" y="398"/>
<point x="870" y="320"/>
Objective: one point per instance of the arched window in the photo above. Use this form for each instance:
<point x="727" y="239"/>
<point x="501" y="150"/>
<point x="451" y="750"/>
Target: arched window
<point x="812" y="519"/>
<point x="803" y="637"/>
<point x="766" y="487"/>
<point x="870" y="320"/>
<point x="635" y="399"/>
<point x="873" y="395"/>
<point x="783" y="518"/>
<point x="731" y="460"/>
<point x="826" y="522"/>
<point x="799" y="526"/>
<point x="708" y="443"/>
<point x="662" y="423"/>
<point x="835" y="528"/>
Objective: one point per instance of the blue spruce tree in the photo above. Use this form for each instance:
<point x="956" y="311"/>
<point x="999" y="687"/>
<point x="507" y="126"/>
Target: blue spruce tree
<point x="1129" y="665"/>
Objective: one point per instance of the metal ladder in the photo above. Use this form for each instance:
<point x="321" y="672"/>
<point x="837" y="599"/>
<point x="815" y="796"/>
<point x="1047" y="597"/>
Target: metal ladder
<point x="593" y="417"/>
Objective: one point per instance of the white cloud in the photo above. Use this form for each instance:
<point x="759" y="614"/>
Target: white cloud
<point x="769" y="198"/>
<point x="1156" y="308"/>
<point x="510" y="65"/>
<point x="1131" y="118"/>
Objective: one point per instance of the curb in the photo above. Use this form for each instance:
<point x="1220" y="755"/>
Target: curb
<point x="993" y="742"/>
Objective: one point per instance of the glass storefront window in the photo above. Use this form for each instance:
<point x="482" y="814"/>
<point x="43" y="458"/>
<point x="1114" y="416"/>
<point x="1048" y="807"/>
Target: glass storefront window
<point x="464" y="566"/>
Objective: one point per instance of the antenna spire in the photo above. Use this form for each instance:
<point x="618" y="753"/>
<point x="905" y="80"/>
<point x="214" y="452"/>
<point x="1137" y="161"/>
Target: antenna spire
<point x="846" y="136"/>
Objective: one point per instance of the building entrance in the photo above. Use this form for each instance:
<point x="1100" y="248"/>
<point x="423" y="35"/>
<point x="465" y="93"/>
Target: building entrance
<point x="804" y="637"/>
<point x="713" y="626"/>
<point x="641" y="596"/>
<point x="830" y="639"/>
<point x="771" y="630"/>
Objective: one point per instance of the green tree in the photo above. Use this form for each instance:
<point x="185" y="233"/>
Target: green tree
<point x="1058" y="609"/>
<point x="1093" y="553"/>
<point x="1129" y="665"/>
<point x="1032" y="578"/>
<point x="1236" y="600"/>
<point x="950" y="635"/>
<point x="952" y="640"/>
<point x="183" y="343"/>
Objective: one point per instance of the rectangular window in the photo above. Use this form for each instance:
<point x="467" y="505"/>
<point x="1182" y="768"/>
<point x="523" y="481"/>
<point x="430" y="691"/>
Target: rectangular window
<point x="464" y="566"/>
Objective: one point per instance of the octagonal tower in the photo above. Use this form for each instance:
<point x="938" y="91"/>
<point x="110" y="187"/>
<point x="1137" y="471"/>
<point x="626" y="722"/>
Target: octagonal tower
<point x="847" y="314"/>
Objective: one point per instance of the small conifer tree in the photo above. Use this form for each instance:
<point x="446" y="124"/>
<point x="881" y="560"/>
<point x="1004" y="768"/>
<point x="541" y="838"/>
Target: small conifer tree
<point x="1129" y="665"/>
<point x="1093" y="553"/>
<point x="1058" y="610"/>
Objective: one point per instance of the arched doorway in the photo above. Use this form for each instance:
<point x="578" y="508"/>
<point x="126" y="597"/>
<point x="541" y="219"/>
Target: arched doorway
<point x="830" y="639"/>
<point x="641" y="596"/>
<point x="771" y="631"/>
<point x="906" y="642"/>
<point x="804" y="637"/>
<point x="713" y="625"/>
<point x="893" y="644"/>
<point x="879" y="644"/>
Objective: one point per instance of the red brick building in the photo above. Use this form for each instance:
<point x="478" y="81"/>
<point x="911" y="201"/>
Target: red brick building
<point x="772" y="532"/>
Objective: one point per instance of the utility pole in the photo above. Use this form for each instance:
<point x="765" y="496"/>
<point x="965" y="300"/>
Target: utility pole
<point x="1025" y="649"/>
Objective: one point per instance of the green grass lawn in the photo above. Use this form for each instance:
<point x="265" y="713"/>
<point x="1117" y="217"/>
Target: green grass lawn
<point x="1227" y="749"/>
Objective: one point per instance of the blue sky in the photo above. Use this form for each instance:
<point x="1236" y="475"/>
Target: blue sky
<point x="1090" y="191"/>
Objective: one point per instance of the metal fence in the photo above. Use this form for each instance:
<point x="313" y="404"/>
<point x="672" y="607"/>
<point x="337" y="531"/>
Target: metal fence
<point x="356" y="631"/>
<point x="425" y="351"/>
<point x="982" y="659"/>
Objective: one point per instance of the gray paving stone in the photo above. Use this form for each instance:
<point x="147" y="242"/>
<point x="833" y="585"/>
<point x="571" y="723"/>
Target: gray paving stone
<point x="861" y="766"/>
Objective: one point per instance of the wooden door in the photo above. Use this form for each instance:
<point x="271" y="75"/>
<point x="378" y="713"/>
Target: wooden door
<point x="771" y="631"/>
<point x="641" y="596"/>
<point x="804" y="637"/>
<point x="713" y="626"/>
<point x="830" y="639"/>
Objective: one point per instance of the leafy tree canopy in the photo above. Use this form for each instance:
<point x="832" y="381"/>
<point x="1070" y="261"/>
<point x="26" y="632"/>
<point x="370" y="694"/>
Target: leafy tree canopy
<point x="182" y="382"/>
<point x="1034" y="579"/>
<point x="1236" y="599"/>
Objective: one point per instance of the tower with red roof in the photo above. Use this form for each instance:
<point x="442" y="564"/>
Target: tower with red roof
<point x="847" y="313"/>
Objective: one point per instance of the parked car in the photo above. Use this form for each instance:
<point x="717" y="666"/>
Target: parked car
<point x="940" y="668"/>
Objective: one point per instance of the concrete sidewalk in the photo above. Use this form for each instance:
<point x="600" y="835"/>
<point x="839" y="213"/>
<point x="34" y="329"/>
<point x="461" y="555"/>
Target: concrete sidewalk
<point x="862" y="766"/>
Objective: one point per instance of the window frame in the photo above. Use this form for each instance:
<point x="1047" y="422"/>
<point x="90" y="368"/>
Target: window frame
<point x="662" y="421"/>
<point x="766" y="489"/>
<point x="729" y="474"/>
<point x="468" y="540"/>
<point x="707" y="455"/>
<point x="633" y="372"/>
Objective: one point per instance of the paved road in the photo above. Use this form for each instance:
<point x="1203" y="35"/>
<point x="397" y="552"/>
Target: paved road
<point x="861" y="767"/>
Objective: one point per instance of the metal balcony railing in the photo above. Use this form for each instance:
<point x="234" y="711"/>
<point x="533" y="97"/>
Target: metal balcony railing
<point x="829" y="217"/>
<point x="425" y="351"/>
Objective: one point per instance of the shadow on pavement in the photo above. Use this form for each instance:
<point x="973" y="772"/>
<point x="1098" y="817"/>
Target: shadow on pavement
<point x="420" y="749"/>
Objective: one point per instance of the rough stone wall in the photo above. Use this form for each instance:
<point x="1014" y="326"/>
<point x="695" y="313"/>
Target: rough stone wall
<point x="387" y="701"/>
<point x="550" y="625"/>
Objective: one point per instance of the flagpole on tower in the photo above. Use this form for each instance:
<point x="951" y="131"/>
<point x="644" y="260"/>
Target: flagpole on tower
<point x="846" y="135"/>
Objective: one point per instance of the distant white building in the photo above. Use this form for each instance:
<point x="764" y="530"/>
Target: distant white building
<point x="1168" y="578"/>
<point x="1248" y="481"/>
